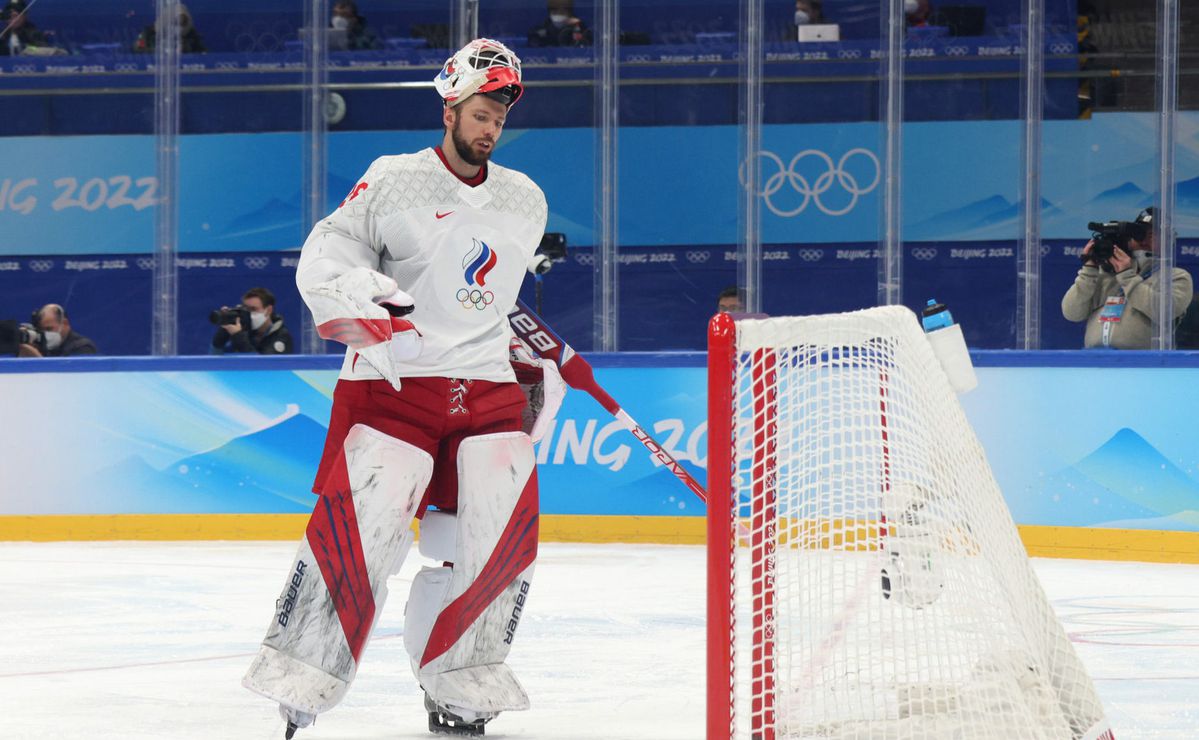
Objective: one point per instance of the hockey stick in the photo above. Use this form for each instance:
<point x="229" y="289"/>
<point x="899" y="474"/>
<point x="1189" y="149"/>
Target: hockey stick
<point x="579" y="375"/>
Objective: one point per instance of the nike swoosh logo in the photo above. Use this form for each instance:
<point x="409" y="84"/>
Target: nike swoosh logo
<point x="443" y="215"/>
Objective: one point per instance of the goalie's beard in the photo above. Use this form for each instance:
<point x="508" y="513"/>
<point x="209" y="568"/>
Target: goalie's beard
<point x="464" y="148"/>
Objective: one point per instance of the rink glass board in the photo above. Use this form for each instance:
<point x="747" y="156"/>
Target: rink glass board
<point x="243" y="436"/>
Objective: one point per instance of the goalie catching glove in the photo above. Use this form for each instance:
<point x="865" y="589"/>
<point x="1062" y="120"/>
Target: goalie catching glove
<point x="363" y="310"/>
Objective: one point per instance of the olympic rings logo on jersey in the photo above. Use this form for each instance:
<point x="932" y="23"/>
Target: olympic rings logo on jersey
<point x="475" y="298"/>
<point x="844" y="173"/>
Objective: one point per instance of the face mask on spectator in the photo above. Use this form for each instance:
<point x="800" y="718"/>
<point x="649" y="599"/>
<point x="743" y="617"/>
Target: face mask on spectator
<point x="341" y="23"/>
<point x="257" y="320"/>
<point x="910" y="6"/>
<point x="801" y="18"/>
<point x="559" y="19"/>
<point x="53" y="339"/>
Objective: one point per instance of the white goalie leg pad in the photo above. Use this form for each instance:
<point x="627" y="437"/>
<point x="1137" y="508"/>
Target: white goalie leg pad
<point x="461" y="621"/>
<point x="358" y="535"/>
<point x="438" y="541"/>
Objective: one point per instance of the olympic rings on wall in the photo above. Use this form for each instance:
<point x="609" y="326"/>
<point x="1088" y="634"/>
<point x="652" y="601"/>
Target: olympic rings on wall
<point x="834" y="175"/>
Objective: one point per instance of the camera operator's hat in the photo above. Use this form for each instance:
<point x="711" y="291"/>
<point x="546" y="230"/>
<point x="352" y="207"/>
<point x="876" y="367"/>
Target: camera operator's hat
<point x="1146" y="216"/>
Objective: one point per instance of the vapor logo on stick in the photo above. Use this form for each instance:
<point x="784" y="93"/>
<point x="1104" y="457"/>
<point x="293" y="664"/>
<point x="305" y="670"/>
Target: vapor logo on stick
<point x="579" y="374"/>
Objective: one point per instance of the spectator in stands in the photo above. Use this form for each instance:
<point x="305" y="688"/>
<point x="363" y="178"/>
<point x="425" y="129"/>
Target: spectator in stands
<point x="917" y="12"/>
<point x="1119" y="306"/>
<point x="561" y="27"/>
<point x="730" y="300"/>
<point x="57" y="338"/>
<point x="22" y="36"/>
<point x="260" y="330"/>
<point x="806" y="12"/>
<point x="359" y="36"/>
<point x="189" y="38"/>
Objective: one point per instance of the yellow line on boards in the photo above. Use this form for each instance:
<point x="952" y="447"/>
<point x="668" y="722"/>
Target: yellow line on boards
<point x="1054" y="542"/>
<point x="678" y="530"/>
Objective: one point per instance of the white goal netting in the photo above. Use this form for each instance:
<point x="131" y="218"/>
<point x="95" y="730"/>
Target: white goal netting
<point x="877" y="586"/>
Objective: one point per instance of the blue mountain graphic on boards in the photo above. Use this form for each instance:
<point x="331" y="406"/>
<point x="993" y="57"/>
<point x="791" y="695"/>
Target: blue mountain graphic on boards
<point x="960" y="219"/>
<point x="657" y="492"/>
<point x="280" y="219"/>
<point x="1120" y="203"/>
<point x="1125" y="482"/>
<point x="1012" y="212"/>
<point x="266" y="471"/>
<point x="1187" y="193"/>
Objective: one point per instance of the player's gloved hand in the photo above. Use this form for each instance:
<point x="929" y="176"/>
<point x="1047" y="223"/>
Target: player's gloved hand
<point x="359" y="309"/>
<point x="406" y="341"/>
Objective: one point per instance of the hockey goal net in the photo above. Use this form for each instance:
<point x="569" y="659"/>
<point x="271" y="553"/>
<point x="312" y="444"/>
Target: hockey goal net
<point x="866" y="579"/>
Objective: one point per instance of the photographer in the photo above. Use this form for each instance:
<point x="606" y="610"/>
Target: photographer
<point x="251" y="327"/>
<point x="1115" y="291"/>
<point x="50" y="335"/>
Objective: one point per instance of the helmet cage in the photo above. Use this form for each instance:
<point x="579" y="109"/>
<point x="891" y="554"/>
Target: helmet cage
<point x="482" y="66"/>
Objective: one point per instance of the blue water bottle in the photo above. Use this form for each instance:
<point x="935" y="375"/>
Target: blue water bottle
<point x="949" y="345"/>
<point x="936" y="316"/>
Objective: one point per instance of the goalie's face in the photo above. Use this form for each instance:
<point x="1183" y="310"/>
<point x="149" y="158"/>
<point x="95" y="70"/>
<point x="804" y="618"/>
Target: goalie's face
<point x="475" y="126"/>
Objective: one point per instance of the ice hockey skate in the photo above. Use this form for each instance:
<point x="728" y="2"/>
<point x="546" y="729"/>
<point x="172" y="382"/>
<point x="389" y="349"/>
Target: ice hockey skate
<point x="296" y="720"/>
<point x="456" y="722"/>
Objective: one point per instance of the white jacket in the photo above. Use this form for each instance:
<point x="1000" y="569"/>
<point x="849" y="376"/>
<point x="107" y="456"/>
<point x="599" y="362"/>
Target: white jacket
<point x="460" y="252"/>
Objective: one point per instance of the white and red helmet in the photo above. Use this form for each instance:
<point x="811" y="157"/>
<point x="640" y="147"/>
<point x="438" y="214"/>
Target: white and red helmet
<point x="482" y="66"/>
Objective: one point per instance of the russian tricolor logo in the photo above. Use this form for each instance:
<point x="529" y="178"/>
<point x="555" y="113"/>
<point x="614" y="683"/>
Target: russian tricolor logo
<point x="478" y="262"/>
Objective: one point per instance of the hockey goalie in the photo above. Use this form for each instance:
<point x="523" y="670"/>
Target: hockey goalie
<point x="415" y="273"/>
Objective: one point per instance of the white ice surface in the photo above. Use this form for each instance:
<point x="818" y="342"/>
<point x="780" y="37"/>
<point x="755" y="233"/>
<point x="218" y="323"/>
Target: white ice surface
<point x="149" y="640"/>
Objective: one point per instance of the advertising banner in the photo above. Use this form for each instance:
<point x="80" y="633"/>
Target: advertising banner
<point x="95" y="194"/>
<point x="175" y="440"/>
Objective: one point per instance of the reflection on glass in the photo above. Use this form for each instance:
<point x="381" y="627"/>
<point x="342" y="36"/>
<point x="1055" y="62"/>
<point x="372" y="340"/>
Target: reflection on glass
<point x="79" y="188"/>
<point x="190" y="40"/>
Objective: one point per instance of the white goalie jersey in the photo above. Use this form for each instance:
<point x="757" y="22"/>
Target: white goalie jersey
<point x="460" y="252"/>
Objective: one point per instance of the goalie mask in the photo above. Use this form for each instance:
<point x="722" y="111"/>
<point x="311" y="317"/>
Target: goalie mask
<point x="482" y="66"/>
